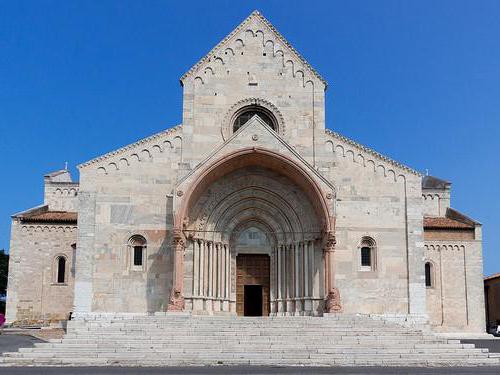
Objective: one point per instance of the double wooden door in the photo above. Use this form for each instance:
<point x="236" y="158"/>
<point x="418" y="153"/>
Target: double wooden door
<point x="252" y="285"/>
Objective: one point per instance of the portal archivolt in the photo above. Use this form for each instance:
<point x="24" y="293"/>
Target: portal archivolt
<point x="274" y="197"/>
<point x="260" y="198"/>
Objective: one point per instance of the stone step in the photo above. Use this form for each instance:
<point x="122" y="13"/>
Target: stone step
<point x="255" y="337"/>
<point x="248" y="355"/>
<point x="247" y="333"/>
<point x="198" y="345"/>
<point x="247" y="341"/>
<point x="306" y="330"/>
<point x="299" y="352"/>
<point x="274" y="361"/>
<point x="232" y="324"/>
<point x="184" y="340"/>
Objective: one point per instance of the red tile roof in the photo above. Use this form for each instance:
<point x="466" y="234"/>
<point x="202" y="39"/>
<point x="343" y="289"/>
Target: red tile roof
<point x="51" y="216"/>
<point x="445" y="223"/>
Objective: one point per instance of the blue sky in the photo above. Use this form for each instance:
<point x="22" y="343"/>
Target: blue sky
<point x="418" y="81"/>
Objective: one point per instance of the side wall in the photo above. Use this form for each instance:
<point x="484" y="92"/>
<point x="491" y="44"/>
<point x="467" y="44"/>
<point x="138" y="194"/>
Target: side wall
<point x="455" y="301"/>
<point x="382" y="201"/>
<point x="126" y="194"/>
<point x="33" y="293"/>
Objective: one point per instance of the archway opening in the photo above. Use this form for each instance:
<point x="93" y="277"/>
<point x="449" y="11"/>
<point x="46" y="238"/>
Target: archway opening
<point x="244" y="212"/>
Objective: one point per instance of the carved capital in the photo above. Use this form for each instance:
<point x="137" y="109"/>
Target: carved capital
<point x="178" y="239"/>
<point x="330" y="242"/>
<point x="332" y="302"/>
<point x="176" y="302"/>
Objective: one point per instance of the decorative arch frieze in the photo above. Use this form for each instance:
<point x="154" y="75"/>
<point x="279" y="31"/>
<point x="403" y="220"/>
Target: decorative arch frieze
<point x="144" y="150"/>
<point x="255" y="29"/>
<point x="367" y="158"/>
<point x="68" y="192"/>
<point x="27" y="228"/>
<point x="444" y="246"/>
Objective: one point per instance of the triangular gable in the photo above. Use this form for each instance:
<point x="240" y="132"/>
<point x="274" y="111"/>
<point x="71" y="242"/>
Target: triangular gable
<point x="254" y="18"/>
<point x="256" y="132"/>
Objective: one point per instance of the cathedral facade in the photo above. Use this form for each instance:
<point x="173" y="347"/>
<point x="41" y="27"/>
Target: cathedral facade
<point x="250" y="207"/>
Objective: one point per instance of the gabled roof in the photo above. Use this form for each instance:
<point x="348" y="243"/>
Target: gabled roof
<point x="456" y="215"/>
<point x="444" y="223"/>
<point x="452" y="220"/>
<point x="255" y="15"/>
<point x="56" y="173"/>
<point x="62" y="176"/>
<point x="42" y="214"/>
<point x="431" y="182"/>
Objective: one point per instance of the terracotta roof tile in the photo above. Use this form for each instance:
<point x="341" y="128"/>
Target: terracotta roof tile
<point x="445" y="223"/>
<point x="51" y="216"/>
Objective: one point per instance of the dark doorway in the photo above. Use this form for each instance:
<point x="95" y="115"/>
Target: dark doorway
<point x="252" y="284"/>
<point x="253" y="300"/>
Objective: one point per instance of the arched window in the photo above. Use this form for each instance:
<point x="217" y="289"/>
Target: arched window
<point x="367" y="254"/>
<point x="247" y="113"/>
<point x="60" y="265"/>
<point x="137" y="245"/>
<point x="428" y="275"/>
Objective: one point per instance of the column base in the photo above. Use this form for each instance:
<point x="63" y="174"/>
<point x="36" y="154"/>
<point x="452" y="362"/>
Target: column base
<point x="176" y="302"/>
<point x="332" y="301"/>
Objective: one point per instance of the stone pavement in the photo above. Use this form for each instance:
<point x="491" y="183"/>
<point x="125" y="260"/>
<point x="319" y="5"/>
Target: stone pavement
<point x="12" y="342"/>
<point x="493" y="345"/>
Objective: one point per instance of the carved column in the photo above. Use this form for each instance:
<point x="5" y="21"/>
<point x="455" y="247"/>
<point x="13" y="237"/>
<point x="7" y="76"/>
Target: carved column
<point x="176" y="302"/>
<point x="210" y="268"/>
<point x="332" y="302"/>
<point x="305" y="252"/>
<point x="196" y="272"/>
<point x="297" y="271"/>
<point x="202" y="268"/>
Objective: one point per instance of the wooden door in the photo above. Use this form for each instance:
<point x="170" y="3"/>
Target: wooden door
<point x="252" y="269"/>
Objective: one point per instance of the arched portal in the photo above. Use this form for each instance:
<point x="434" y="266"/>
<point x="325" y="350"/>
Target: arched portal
<point x="266" y="192"/>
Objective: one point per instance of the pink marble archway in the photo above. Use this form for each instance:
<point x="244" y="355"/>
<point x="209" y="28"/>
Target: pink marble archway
<point x="278" y="163"/>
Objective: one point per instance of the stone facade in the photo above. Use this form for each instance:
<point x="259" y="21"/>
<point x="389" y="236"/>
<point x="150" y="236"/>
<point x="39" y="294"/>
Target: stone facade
<point x="253" y="170"/>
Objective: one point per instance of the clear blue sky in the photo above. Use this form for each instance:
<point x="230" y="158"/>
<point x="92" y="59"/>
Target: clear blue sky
<point x="418" y="81"/>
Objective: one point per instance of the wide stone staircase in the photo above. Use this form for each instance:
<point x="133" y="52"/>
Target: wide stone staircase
<point x="169" y="340"/>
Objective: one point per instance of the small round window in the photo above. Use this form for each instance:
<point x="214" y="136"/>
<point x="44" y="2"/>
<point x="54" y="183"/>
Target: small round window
<point x="245" y="115"/>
